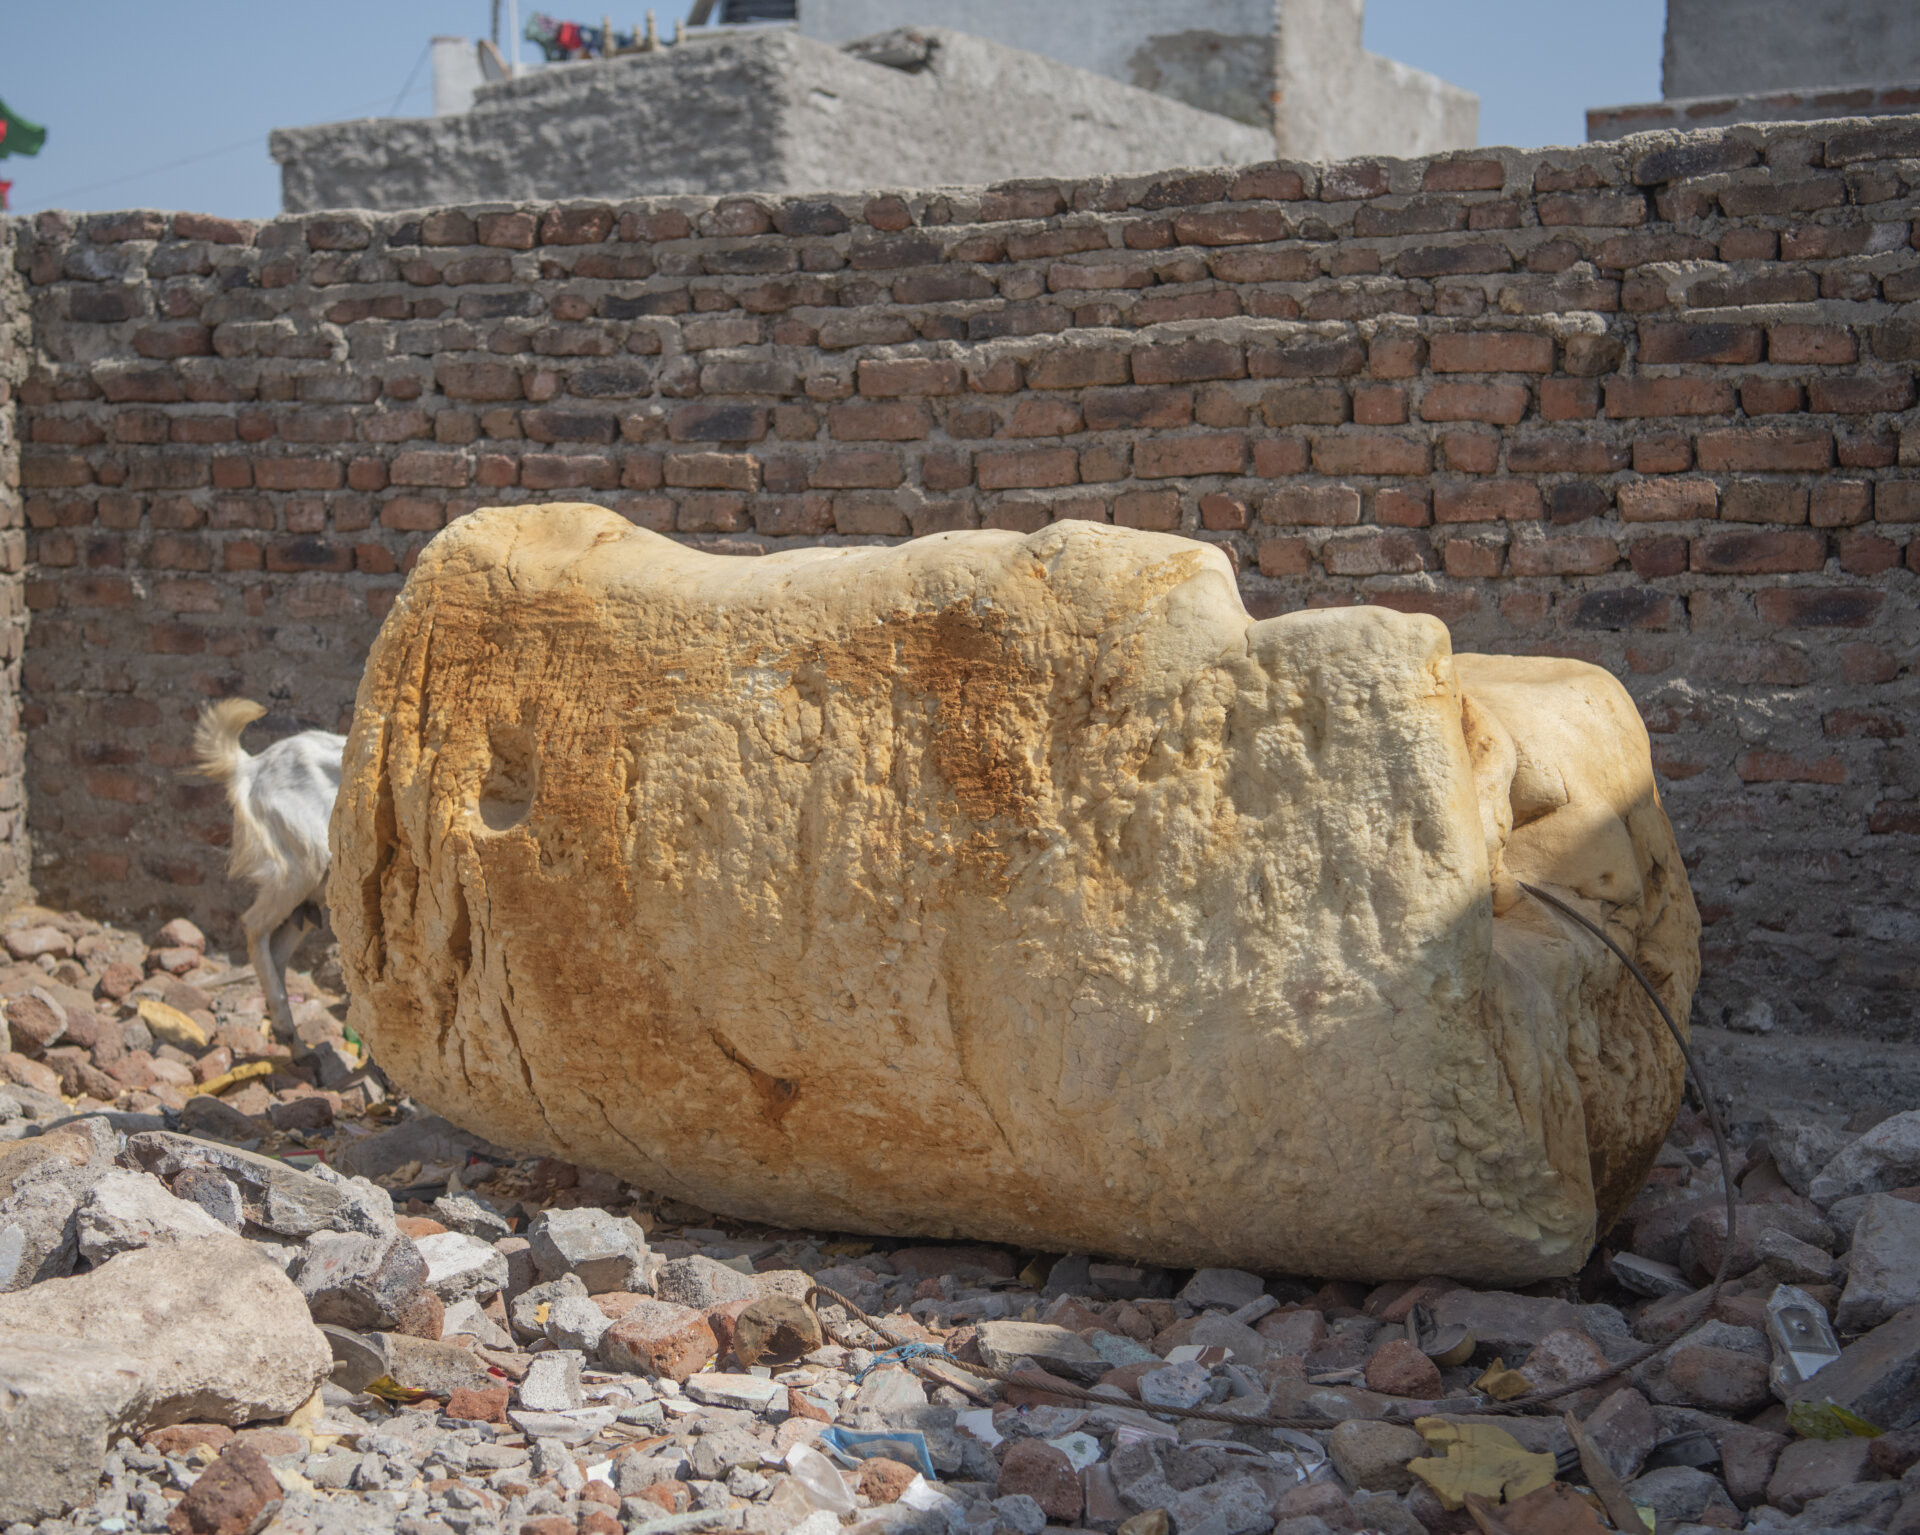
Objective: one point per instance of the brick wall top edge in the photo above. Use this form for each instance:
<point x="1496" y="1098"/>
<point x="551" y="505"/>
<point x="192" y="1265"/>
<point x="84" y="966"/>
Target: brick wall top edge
<point x="1640" y="160"/>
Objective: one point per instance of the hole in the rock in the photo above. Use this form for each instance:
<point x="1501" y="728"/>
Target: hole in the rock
<point x="512" y="778"/>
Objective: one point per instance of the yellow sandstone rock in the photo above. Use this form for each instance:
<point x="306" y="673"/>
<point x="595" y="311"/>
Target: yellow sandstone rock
<point x="1017" y="888"/>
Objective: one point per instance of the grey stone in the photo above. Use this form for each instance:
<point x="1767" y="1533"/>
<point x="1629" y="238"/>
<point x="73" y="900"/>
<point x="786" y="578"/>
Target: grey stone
<point x="1066" y="1353"/>
<point x="1504" y="1323"/>
<point x="1176" y="1385"/>
<point x="1229" y="1289"/>
<point x="1624" y="1429"/>
<point x="1883" y="1265"/>
<point x="1233" y="1506"/>
<point x="459" y="1266"/>
<point x="432" y="1366"/>
<point x="890" y="1393"/>
<point x="473" y="1215"/>
<point x="203" y="1329"/>
<point x="466" y="1317"/>
<point x="274" y="1196"/>
<point x="1373" y="1456"/>
<point x="1679" y="1493"/>
<point x="1222" y="1331"/>
<point x="748" y="1393"/>
<point x="1877" y="1376"/>
<point x="700" y="1282"/>
<point x="125" y="1210"/>
<point x="1802" y="1148"/>
<point x="712" y="1456"/>
<point x="1117" y="1349"/>
<point x="39" y="1238"/>
<point x="374" y="1203"/>
<point x="523" y="1311"/>
<point x="1645" y="1276"/>
<point x="425" y="1138"/>
<point x="1886" y="1157"/>
<point x="552" y="1383"/>
<point x="606" y="1252"/>
<point x="1020" y="1514"/>
<point x="354" y="1280"/>
<point x="214" y="1192"/>
<point x="574" y="1322"/>
<point x="1792" y="1261"/>
<point x="857" y="1284"/>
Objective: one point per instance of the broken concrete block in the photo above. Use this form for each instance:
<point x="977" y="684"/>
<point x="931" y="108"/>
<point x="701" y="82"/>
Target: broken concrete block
<point x="552" y="1383"/>
<point x="701" y="1282"/>
<point x="459" y="1266"/>
<point x="1373" y="1456"/>
<point x="1883" y="1265"/>
<point x="1886" y="1157"/>
<point x="205" y="1328"/>
<point x="354" y="1280"/>
<point x="606" y="1252"/>
<point x="274" y="1196"/>
<point x="127" y="1210"/>
<point x="1346" y="813"/>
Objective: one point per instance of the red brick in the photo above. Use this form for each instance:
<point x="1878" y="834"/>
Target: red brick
<point x="1565" y="455"/>
<point x="1158" y="510"/>
<point x="1372" y="453"/>
<point x="309" y="554"/>
<point x="1491" y="352"/>
<point x="1159" y="458"/>
<point x="1396" y="355"/>
<point x="477" y="380"/>
<point x="556" y="471"/>
<point x="1351" y="180"/>
<point x="1581" y="555"/>
<point x="1667" y="500"/>
<point x="1896" y="501"/>
<point x="1841" y="503"/>
<point x="1077" y="367"/>
<point x="1846" y="607"/>
<point x="1188" y="362"/>
<point x="1471" y="452"/>
<point x="1028" y="469"/>
<point x="857" y="468"/>
<point x="1664" y="341"/>
<point x="1321" y="505"/>
<point x="1771" y="396"/>
<point x="1464" y="176"/>
<point x="1108" y="410"/>
<point x="1402" y="507"/>
<point x="1776" y="448"/>
<point x="1624" y="607"/>
<point x="712" y="471"/>
<point x="1743" y="553"/>
<point x="879" y="421"/>
<point x="1221" y="513"/>
<point x="1487" y="501"/>
<point x="1276" y="457"/>
<point x="1305" y="405"/>
<point x="1894" y="817"/>
<point x="909" y="376"/>
<point x="1373" y="552"/>
<point x="1471" y="559"/>
<point x="1379" y="405"/>
<point x="429" y="467"/>
<point x="1763" y="501"/>
<point x="711" y="512"/>
<point x="1273" y="183"/>
<point x="1861" y="724"/>
<point x="1662" y="453"/>
<point x="1860" y="394"/>
<point x="862" y="516"/>
<point x="1043" y="417"/>
<point x="1231" y="226"/>
<point x="1652" y="558"/>
<point x="1502" y="403"/>
<point x="298" y="473"/>
<point x="1569" y="399"/>
<point x="1631" y="398"/>
<point x="1784" y="767"/>
<point x="1821" y="344"/>
<point x="1867" y="665"/>
<point x="1867" y="554"/>
<point x="412" y="514"/>
<point x="1285" y="557"/>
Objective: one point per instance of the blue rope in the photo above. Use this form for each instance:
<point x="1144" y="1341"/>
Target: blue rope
<point x="901" y="1353"/>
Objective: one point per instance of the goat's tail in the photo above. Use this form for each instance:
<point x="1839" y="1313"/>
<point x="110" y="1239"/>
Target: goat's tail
<point x="216" y="739"/>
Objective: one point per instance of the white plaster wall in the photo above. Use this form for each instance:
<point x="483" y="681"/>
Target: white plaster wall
<point x="1723" y="47"/>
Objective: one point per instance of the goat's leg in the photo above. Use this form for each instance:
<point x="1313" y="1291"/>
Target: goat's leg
<point x="286" y="939"/>
<point x="273" y="983"/>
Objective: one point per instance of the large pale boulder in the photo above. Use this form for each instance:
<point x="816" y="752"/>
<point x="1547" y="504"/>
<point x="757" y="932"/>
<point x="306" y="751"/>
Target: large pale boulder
<point x="1019" y="888"/>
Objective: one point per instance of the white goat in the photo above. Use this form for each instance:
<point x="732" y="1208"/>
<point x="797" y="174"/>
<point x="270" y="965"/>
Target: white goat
<point x="282" y="800"/>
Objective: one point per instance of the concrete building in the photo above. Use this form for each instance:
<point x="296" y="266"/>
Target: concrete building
<point x="761" y="110"/>
<point x="1743" y="61"/>
<point x="1296" y="66"/>
<point x="777" y="96"/>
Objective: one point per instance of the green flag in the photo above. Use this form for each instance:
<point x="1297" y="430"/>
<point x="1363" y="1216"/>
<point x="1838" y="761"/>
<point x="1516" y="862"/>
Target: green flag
<point x="17" y="135"/>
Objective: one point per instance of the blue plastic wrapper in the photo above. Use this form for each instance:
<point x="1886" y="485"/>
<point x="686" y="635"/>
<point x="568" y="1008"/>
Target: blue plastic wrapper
<point x="907" y="1445"/>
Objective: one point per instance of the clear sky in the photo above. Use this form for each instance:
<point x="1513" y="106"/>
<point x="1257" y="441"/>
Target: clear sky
<point x="168" y="106"/>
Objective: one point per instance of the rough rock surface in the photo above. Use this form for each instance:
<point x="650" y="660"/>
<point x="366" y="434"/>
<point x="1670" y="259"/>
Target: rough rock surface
<point x="199" y="1328"/>
<point x="1150" y="903"/>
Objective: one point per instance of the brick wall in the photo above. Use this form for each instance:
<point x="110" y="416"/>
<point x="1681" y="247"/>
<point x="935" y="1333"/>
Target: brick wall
<point x="15" y="348"/>
<point x="1650" y="404"/>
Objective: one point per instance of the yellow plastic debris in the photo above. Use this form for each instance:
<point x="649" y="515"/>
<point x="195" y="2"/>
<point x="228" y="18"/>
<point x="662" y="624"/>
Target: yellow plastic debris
<point x="172" y="1025"/>
<point x="389" y="1389"/>
<point x="235" y="1077"/>
<point x="1477" y="1457"/>
<point x="1829" y="1420"/>
<point x="540" y="1313"/>
<point x="1502" y="1384"/>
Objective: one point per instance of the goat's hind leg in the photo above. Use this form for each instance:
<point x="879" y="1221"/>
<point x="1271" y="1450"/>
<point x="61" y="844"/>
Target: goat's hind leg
<point x="269" y="950"/>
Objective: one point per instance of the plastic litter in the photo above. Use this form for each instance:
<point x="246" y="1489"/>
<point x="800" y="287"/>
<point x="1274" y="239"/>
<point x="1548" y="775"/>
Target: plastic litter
<point x="1477" y="1458"/>
<point x="1802" y="1338"/>
<point x="907" y="1445"/>
<point x="820" y="1483"/>
<point x="1082" y="1449"/>
<point x="979" y="1423"/>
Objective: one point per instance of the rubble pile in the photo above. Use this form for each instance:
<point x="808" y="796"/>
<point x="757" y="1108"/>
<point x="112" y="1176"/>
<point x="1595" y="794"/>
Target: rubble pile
<point x="242" y="1288"/>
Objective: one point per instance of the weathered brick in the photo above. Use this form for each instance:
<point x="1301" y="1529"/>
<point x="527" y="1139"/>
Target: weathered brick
<point x="1453" y="261"/>
<point x="430" y="467"/>
<point x="879" y="421"/>
<point x="1764" y="448"/>
<point x="1491" y="352"/>
<point x="1231" y="226"/>
<point x="1284" y="557"/>
<point x="1077" y="367"/>
<point x="858" y="468"/>
<point x="1188" y="362"/>
<point x="1652" y="558"/>
<point x="702" y="421"/>
<point x="1155" y="510"/>
<point x="1487" y="501"/>
<point x="1370" y="453"/>
<point x="1764" y="501"/>
<point x="1322" y="505"/>
<point x="1377" y="552"/>
<point x="1802" y="607"/>
<point x="1565" y="455"/>
<point x="1668" y="500"/>
<point x="891" y="378"/>
<point x="1108" y="410"/>
<point x="1027" y="469"/>
<point x="1305" y="405"/>
<point x="1460" y="401"/>
<point x="1464" y="175"/>
<point x="1731" y="553"/>
<point x="1167" y="457"/>
<point x="298" y="473"/>
<point x="1307" y="356"/>
<point x="1860" y="394"/>
<point x="1624" y="607"/>
<point x="1636" y="398"/>
<point x="1668" y="341"/>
